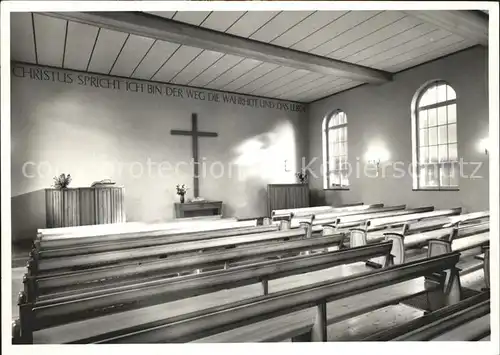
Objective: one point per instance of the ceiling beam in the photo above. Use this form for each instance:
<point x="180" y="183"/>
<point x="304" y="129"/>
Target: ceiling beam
<point x="464" y="23"/>
<point x="172" y="31"/>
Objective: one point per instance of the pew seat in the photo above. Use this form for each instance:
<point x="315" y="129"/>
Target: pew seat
<point x="295" y="324"/>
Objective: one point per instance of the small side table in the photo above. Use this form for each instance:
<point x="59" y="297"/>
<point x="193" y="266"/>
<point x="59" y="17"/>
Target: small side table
<point x="198" y="208"/>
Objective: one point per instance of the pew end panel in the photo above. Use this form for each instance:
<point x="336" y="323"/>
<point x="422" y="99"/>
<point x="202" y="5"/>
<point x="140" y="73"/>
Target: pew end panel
<point x="16" y="332"/>
<point x="26" y="319"/>
<point x="444" y="288"/>
<point x="486" y="266"/>
<point x="397" y="254"/>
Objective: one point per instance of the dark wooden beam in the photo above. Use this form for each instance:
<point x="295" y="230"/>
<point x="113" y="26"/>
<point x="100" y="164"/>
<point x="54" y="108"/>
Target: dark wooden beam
<point x="172" y="31"/>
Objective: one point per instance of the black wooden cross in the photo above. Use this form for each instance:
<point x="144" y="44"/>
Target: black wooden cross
<point x="195" y="134"/>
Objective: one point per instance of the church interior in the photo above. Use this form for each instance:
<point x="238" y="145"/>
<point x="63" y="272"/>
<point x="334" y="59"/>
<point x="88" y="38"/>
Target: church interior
<point x="250" y="176"/>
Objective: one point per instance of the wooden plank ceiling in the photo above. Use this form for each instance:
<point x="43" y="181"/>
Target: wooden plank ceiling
<point x="385" y="40"/>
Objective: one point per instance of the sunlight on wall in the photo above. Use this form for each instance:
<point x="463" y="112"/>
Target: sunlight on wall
<point x="484" y="145"/>
<point x="263" y="156"/>
<point x="377" y="153"/>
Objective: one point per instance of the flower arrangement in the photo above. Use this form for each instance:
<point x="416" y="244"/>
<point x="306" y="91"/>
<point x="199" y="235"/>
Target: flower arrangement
<point x="62" y="181"/>
<point x="302" y="176"/>
<point x="181" y="191"/>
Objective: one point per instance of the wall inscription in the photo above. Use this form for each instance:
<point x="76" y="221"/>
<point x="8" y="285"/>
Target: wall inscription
<point x="150" y="88"/>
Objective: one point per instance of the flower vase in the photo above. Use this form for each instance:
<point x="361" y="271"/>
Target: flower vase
<point x="182" y="198"/>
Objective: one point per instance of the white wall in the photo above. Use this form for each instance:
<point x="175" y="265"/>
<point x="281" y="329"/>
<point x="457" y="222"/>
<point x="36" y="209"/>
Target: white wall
<point x="379" y="115"/>
<point x="90" y="132"/>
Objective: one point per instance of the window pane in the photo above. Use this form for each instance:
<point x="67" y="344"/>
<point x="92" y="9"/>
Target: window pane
<point x="344" y="179"/>
<point x="432" y="175"/>
<point x="433" y="154"/>
<point x="432" y="117"/>
<point x="340" y="132"/>
<point x="333" y="121"/>
<point x="441" y="113"/>
<point x="443" y="153"/>
<point x="423" y="155"/>
<point x="450" y="93"/>
<point x="452" y="113"/>
<point x="422" y="119"/>
<point x="452" y="152"/>
<point x="340" y="147"/>
<point x="444" y="176"/>
<point x="422" y="176"/>
<point x="429" y="97"/>
<point x="424" y="137"/>
<point x="441" y="93"/>
<point x="433" y="139"/>
<point x="334" y="179"/>
<point x="442" y="134"/>
<point x="452" y="133"/>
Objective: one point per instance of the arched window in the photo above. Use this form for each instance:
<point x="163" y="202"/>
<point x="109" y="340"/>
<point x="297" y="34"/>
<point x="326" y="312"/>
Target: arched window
<point x="335" y="151"/>
<point x="435" y="137"/>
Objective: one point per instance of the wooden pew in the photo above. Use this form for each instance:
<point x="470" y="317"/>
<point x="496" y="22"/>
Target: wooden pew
<point x="113" y="228"/>
<point x="70" y="308"/>
<point x="402" y="243"/>
<point x="137" y="233"/>
<point x="36" y="287"/>
<point x="470" y="245"/>
<point x="401" y="221"/>
<point x="440" y="322"/>
<point x="255" y="312"/>
<point x="352" y="219"/>
<point x="375" y="230"/>
<point x="87" y="245"/>
<point x="436" y="223"/>
<point x="307" y="211"/>
<point x="52" y="262"/>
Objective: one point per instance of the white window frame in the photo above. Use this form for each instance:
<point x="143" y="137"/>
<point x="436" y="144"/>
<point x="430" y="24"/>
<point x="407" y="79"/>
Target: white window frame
<point x="416" y="130"/>
<point x="328" y="153"/>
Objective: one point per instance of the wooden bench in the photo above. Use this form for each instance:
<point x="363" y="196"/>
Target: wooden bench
<point x="96" y="236"/>
<point x="402" y="243"/>
<point x="106" y="277"/>
<point x="87" y="245"/>
<point x="347" y="222"/>
<point x="383" y="223"/>
<point x="255" y="313"/>
<point x="438" y="324"/>
<point x="307" y="211"/>
<point x="71" y="307"/>
<point x="51" y="262"/>
<point x="114" y="228"/>
<point x="349" y="219"/>
<point x="473" y="245"/>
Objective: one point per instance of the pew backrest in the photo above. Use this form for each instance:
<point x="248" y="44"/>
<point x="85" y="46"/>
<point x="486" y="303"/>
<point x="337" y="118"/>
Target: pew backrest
<point x="102" y="229"/>
<point x="394" y="221"/>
